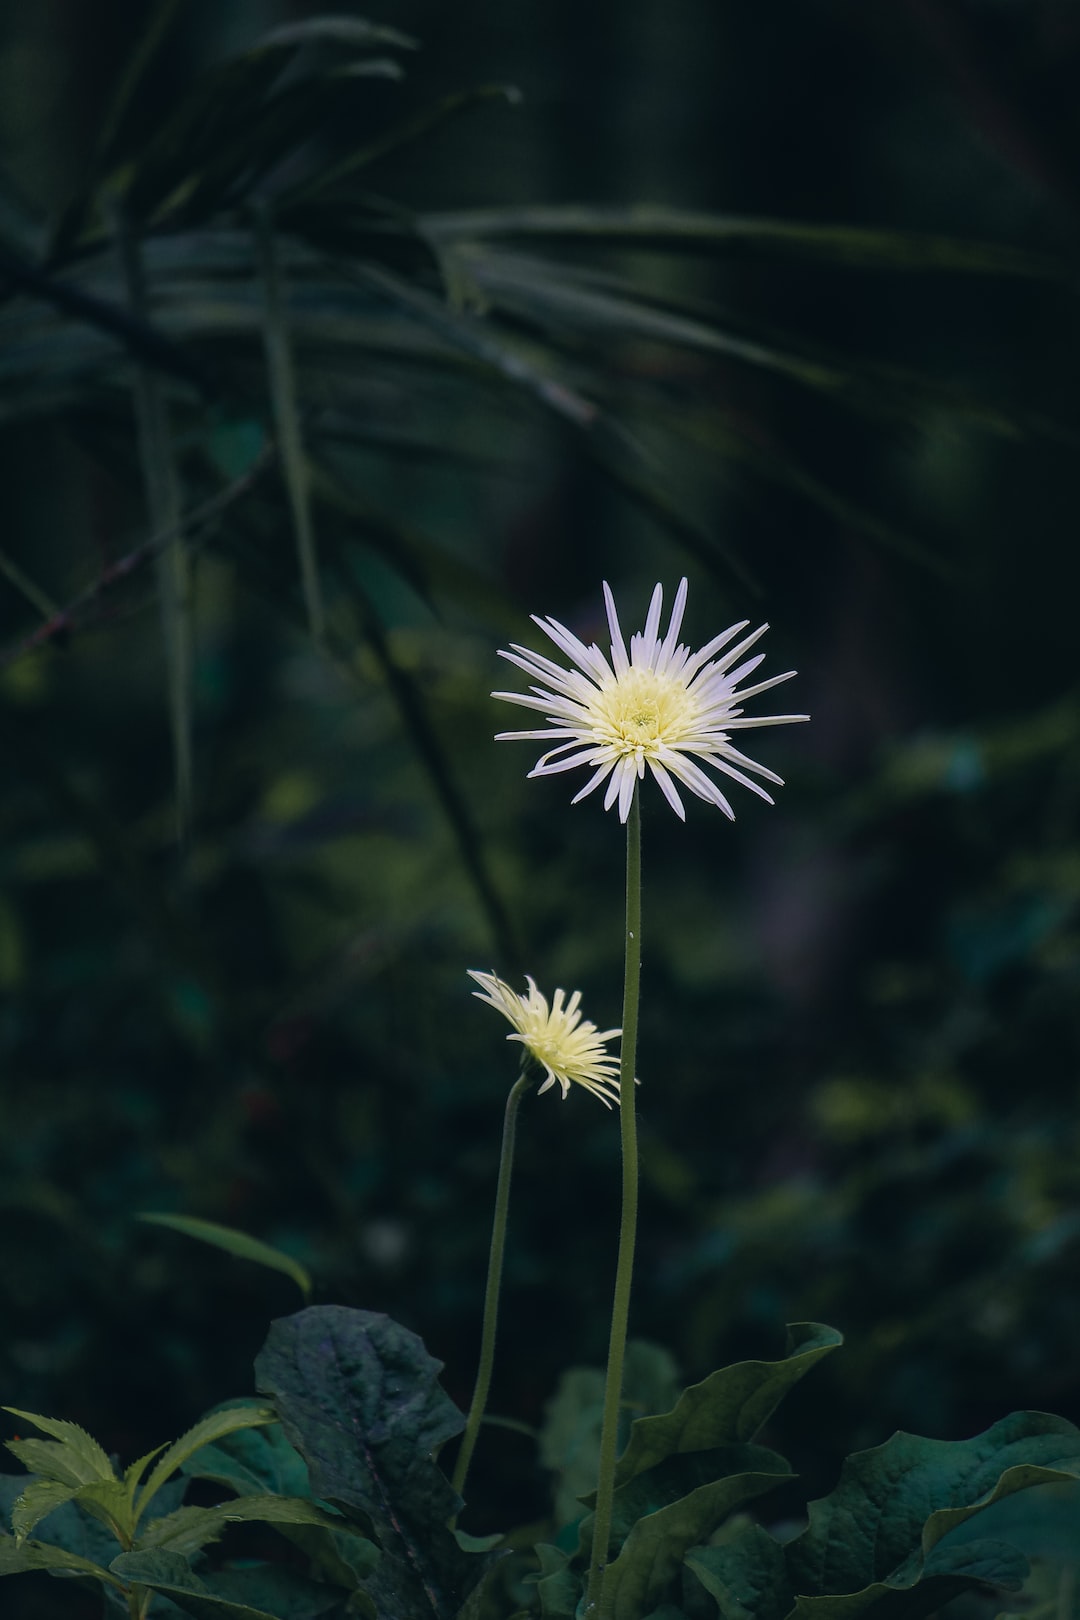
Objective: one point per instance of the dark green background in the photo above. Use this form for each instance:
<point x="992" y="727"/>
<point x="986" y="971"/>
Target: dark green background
<point x="859" y="1030"/>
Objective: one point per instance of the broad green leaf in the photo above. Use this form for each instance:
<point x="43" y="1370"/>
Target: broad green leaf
<point x="491" y="1598"/>
<point x="978" y="1564"/>
<point x="37" y="1500"/>
<point x="885" y="1528"/>
<point x="169" y="1573"/>
<point x="638" y="1579"/>
<point x="570" y="1436"/>
<point x="286" y="1593"/>
<point x="676" y="1476"/>
<point x="236" y="1243"/>
<point x="214" y="1426"/>
<point x="895" y="1502"/>
<point x="252" y="1462"/>
<point x="72" y="1457"/>
<point x="477" y="1544"/>
<point x="340" y="1556"/>
<point x="728" y="1407"/>
<point x="20" y="1557"/>
<point x="258" y="1462"/>
<point x="359" y="1399"/>
<point x="1043" y="1521"/>
<point x="557" y="1586"/>
<point x="748" y="1577"/>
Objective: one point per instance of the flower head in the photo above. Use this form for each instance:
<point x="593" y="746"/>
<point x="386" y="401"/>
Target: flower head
<point x="566" y="1048"/>
<point x="658" y="705"/>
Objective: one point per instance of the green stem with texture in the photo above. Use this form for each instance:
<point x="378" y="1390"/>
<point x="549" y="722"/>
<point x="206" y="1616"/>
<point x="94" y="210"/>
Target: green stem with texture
<point x="620" y="1310"/>
<point x="494" y="1281"/>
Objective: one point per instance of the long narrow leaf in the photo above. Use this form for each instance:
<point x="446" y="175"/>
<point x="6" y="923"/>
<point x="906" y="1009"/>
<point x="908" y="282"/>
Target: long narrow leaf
<point x="678" y="230"/>
<point x="147" y="45"/>
<point x="413" y="129"/>
<point x="238" y="1244"/>
<point x="279" y="366"/>
<point x="162" y="488"/>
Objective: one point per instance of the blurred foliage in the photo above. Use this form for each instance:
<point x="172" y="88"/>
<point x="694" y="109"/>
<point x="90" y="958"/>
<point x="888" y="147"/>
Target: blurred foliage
<point x="307" y="286"/>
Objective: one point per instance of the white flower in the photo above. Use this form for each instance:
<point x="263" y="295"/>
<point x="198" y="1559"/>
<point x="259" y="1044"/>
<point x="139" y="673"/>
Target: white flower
<point x="661" y="706"/>
<point x="567" y="1049"/>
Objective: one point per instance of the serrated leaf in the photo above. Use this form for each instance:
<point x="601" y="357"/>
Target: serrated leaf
<point x="110" y="1502"/>
<point x="190" y="1528"/>
<point x="75" y="1531"/>
<point x="358" y="1397"/>
<point x="37" y="1500"/>
<point x="20" y="1557"/>
<point x="214" y="1426"/>
<point x="638" y="1579"/>
<point x="728" y="1407"/>
<point x="72" y="1457"/>
<point x="236" y="1243"/>
<point x="134" y="1471"/>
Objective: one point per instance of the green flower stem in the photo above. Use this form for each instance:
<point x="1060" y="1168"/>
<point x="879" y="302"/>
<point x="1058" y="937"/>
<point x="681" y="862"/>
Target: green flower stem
<point x="620" y="1310"/>
<point x="494" y="1281"/>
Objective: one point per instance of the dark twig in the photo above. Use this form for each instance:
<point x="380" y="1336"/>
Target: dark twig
<point x="196" y="524"/>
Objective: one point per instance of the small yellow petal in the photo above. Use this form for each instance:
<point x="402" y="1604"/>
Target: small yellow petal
<point x="567" y="1047"/>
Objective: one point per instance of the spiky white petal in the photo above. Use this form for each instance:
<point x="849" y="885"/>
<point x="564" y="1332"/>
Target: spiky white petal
<point x="569" y="1049"/>
<point x="657" y="705"/>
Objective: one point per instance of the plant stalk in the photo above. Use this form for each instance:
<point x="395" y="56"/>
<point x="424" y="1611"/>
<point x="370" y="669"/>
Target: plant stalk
<point x="494" y="1282"/>
<point x="620" y="1310"/>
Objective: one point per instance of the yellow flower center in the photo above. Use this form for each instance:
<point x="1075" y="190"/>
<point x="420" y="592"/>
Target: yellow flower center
<point x="641" y="711"/>
<point x="551" y="1045"/>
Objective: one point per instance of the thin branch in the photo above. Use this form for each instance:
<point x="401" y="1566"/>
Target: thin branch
<point x="197" y="524"/>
